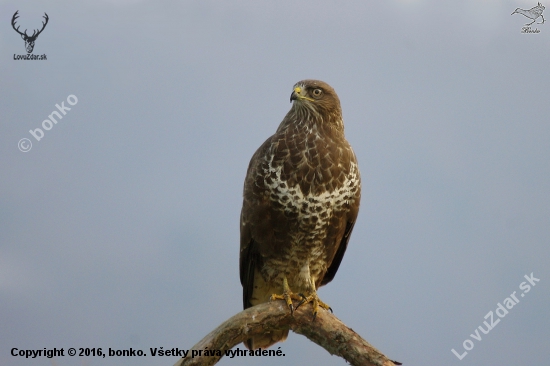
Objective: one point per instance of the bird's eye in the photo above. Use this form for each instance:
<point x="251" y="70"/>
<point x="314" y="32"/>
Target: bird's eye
<point x="317" y="93"/>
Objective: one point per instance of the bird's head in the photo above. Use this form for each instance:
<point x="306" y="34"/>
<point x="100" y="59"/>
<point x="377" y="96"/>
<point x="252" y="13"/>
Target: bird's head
<point x="316" y="100"/>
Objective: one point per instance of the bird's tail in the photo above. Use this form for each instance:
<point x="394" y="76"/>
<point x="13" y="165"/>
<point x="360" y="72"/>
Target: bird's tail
<point x="266" y="340"/>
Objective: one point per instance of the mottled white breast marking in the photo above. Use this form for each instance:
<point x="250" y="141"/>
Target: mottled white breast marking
<point x="314" y="213"/>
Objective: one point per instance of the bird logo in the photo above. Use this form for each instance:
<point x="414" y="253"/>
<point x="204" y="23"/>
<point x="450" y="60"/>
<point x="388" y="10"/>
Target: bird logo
<point x="533" y="13"/>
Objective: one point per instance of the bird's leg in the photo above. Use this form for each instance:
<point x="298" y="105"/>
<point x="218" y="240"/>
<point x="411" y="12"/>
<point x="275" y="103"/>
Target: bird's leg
<point x="531" y="22"/>
<point x="314" y="299"/>
<point x="542" y="19"/>
<point x="316" y="303"/>
<point x="287" y="295"/>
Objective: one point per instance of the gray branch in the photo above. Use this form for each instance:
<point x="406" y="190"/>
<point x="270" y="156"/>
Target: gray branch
<point x="327" y="331"/>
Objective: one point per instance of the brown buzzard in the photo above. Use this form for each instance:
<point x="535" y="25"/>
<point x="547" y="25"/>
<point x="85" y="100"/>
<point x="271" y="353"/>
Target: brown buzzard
<point x="301" y="198"/>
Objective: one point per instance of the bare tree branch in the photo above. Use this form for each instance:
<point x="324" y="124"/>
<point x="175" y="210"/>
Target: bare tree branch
<point x="327" y="331"/>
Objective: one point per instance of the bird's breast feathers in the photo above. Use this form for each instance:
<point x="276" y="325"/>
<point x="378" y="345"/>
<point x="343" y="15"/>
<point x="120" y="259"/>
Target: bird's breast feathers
<point x="310" y="178"/>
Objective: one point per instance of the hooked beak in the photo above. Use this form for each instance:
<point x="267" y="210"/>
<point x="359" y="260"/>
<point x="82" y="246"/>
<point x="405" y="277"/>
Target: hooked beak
<point x="295" y="93"/>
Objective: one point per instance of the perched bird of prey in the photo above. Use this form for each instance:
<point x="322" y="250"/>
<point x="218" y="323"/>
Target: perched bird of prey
<point x="301" y="199"/>
<point x="532" y="13"/>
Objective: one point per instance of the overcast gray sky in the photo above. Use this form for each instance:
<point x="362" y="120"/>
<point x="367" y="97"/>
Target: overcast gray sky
<point x="120" y="227"/>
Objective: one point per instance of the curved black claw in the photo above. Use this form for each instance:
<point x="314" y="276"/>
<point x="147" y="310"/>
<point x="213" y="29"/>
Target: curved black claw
<point x="303" y="301"/>
<point x="287" y="296"/>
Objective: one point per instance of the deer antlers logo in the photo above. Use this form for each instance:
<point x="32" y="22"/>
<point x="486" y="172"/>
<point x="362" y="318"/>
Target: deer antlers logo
<point x="29" y="40"/>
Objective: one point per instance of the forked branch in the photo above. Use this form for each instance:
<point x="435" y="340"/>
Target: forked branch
<point x="327" y="331"/>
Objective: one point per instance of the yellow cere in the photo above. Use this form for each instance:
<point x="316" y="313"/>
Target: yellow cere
<point x="298" y="90"/>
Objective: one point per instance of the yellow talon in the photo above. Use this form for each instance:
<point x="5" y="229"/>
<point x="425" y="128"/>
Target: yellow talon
<point x="316" y="303"/>
<point x="287" y="295"/>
